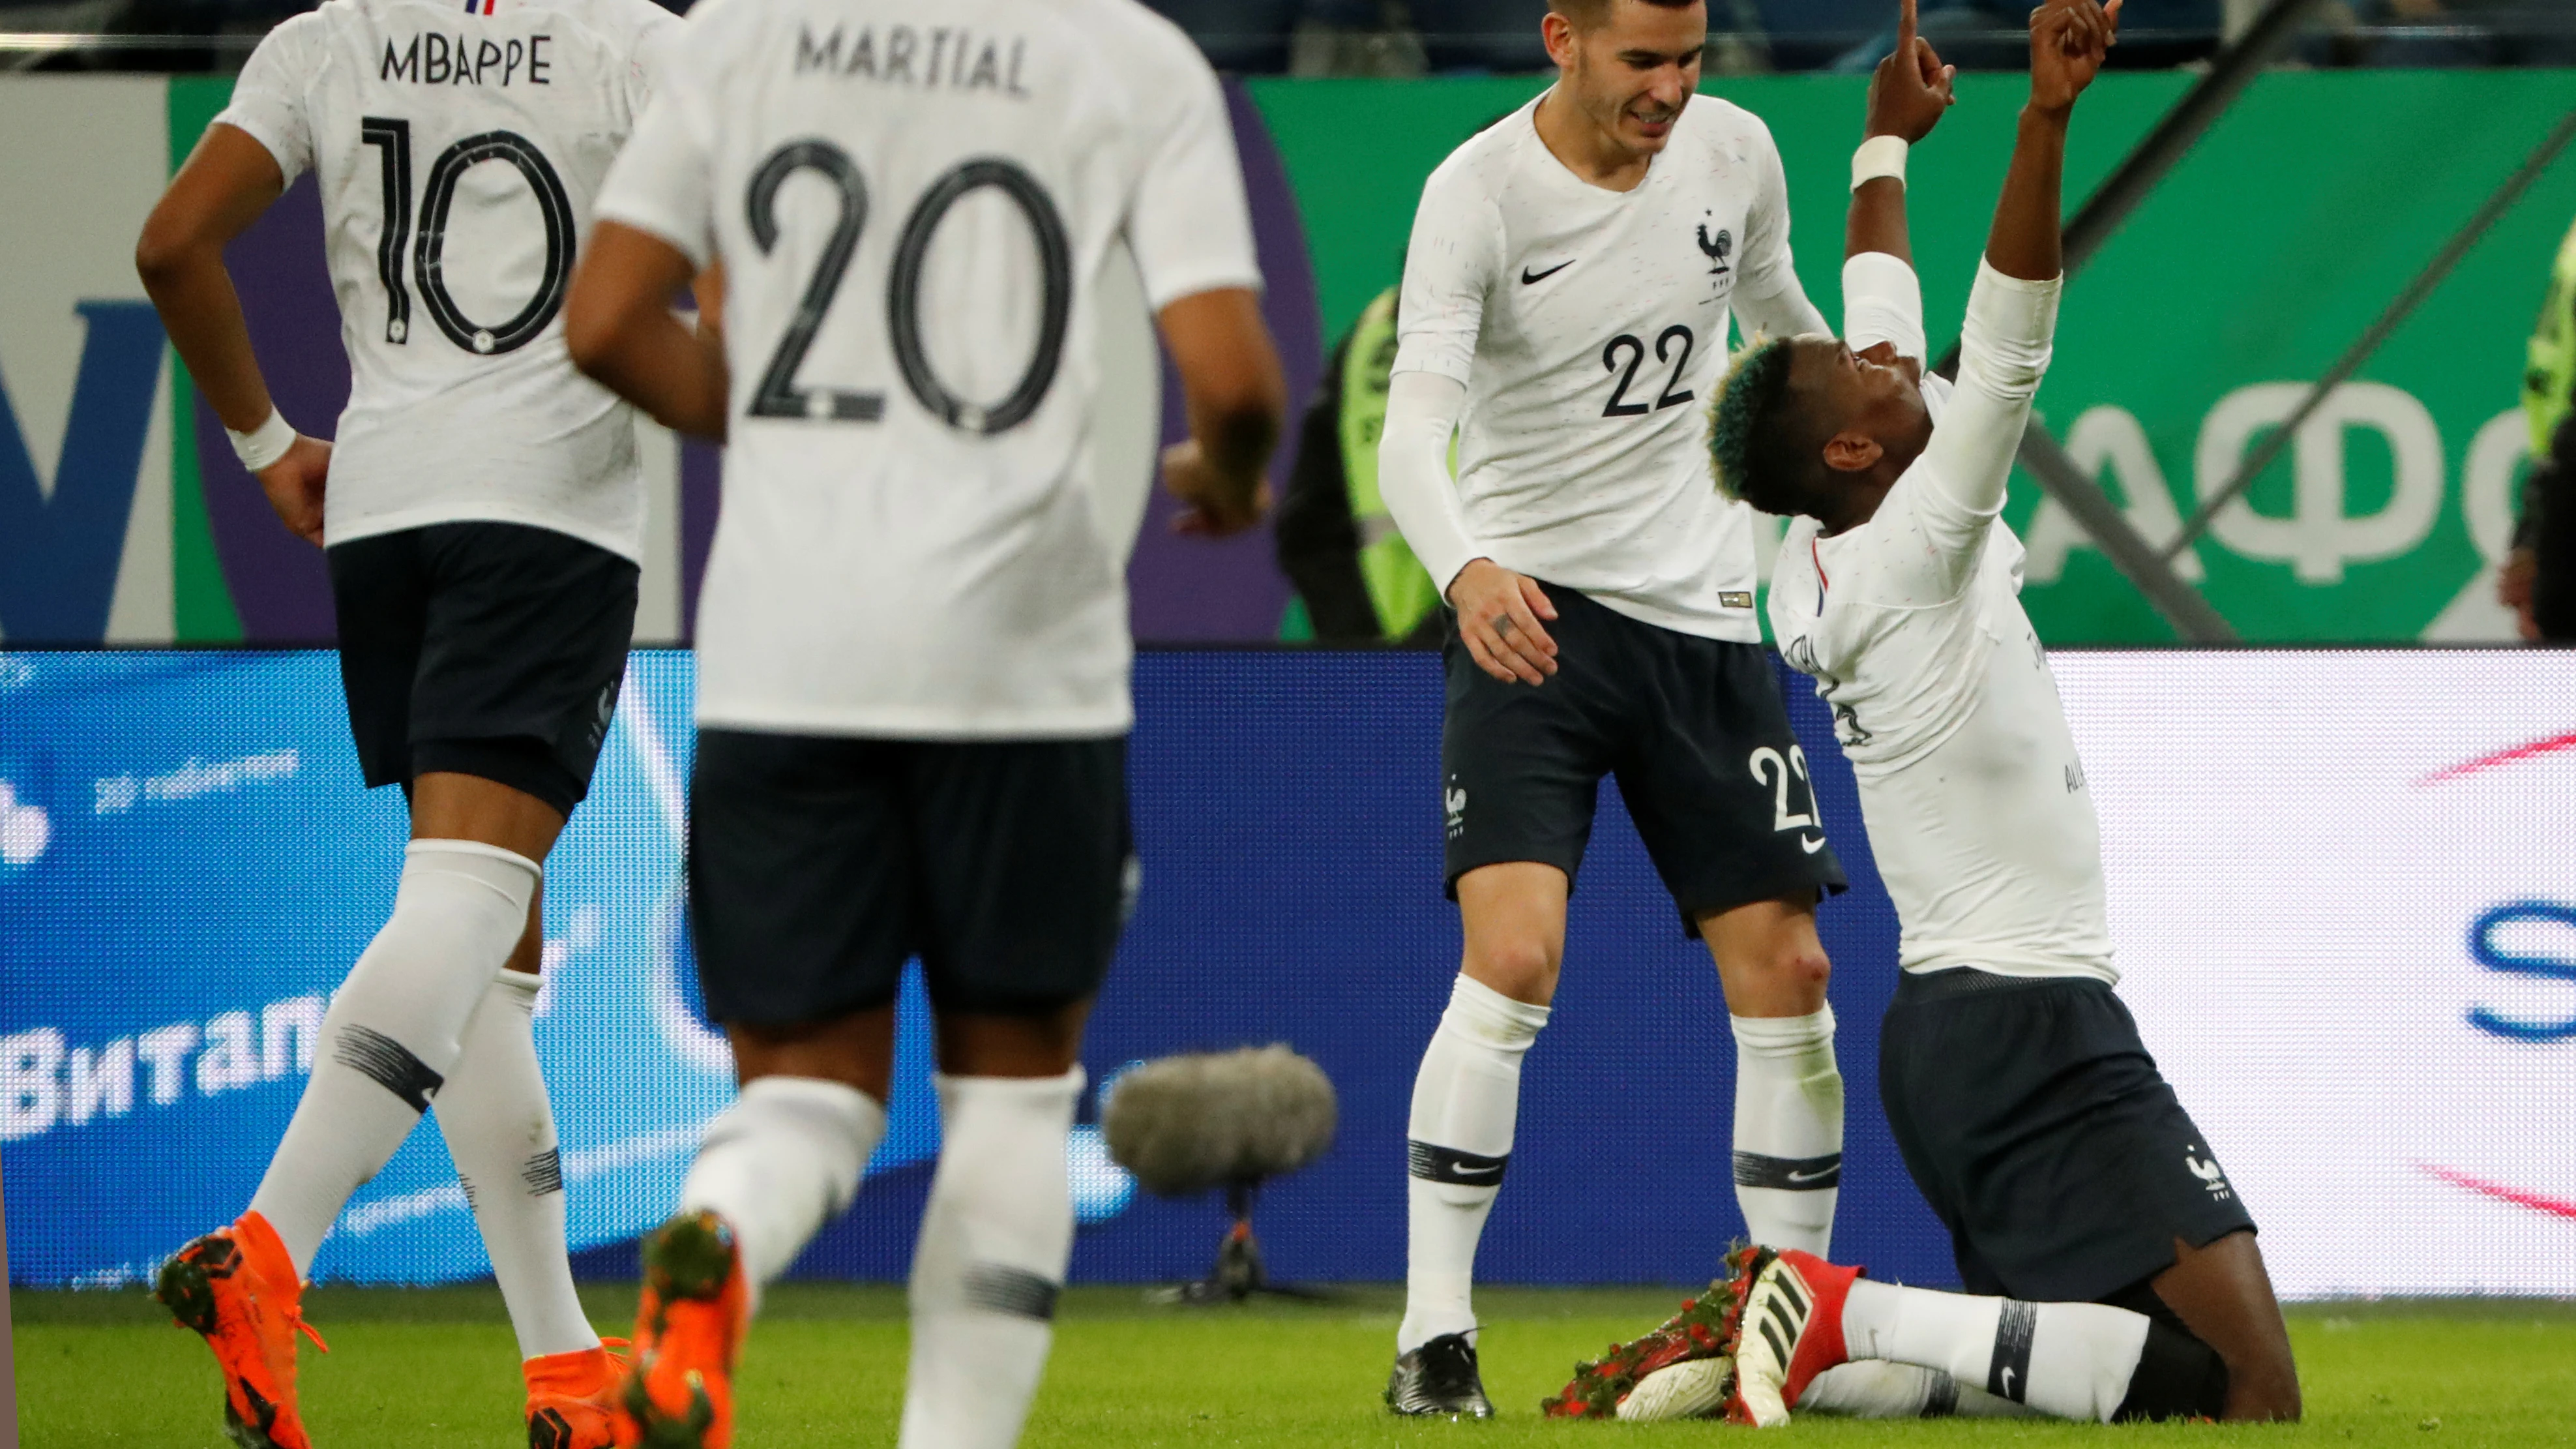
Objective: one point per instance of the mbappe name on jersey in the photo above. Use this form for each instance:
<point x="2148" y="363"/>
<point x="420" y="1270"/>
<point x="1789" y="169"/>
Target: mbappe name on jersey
<point x="433" y="59"/>
<point x="940" y="57"/>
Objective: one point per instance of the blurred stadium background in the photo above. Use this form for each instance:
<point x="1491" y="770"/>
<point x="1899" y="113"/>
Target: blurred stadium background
<point x="2343" y="864"/>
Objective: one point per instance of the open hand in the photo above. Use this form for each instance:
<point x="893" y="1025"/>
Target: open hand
<point x="2068" y="40"/>
<point x="294" y="485"/>
<point x="1498" y="620"/>
<point x="1214" y="506"/>
<point x="1912" y="87"/>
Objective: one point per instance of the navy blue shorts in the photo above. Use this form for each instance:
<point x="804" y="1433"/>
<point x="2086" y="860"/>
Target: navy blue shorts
<point x="486" y="649"/>
<point x="2038" y="1127"/>
<point x="818" y="865"/>
<point x="1693" y="728"/>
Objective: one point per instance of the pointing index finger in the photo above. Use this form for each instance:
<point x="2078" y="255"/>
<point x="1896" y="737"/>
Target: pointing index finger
<point x="1905" y="27"/>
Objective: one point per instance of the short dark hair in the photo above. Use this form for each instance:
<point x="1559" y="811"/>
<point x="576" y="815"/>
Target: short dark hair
<point x="1585" y="14"/>
<point x="1761" y="441"/>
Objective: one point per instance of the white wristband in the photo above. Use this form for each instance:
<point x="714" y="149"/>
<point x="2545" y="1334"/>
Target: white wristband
<point x="1879" y="156"/>
<point x="265" y="444"/>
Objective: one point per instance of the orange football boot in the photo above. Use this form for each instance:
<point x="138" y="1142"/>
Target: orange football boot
<point x="572" y="1396"/>
<point x="237" y="1287"/>
<point x="688" y="1328"/>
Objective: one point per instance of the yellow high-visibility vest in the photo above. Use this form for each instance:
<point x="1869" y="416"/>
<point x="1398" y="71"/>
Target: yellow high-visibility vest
<point x="2549" y="382"/>
<point x="1399" y="587"/>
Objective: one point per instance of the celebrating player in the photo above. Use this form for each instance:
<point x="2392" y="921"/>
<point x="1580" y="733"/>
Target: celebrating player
<point x="1567" y="292"/>
<point x="2113" y="1268"/>
<point x="482" y="518"/>
<point x="913" y="650"/>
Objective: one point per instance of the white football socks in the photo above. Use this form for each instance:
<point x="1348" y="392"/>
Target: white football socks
<point x="394" y="1031"/>
<point x="2070" y="1360"/>
<point x="1873" y="1388"/>
<point x="781" y="1162"/>
<point x="1788" y="1129"/>
<point x="500" y="1129"/>
<point x="1466" y="1099"/>
<point x="995" y="1239"/>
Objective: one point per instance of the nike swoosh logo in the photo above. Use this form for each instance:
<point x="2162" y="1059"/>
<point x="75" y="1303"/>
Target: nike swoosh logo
<point x="1475" y="1174"/>
<point x="1528" y="276"/>
<point x="1811" y="846"/>
<point x="1813" y="1176"/>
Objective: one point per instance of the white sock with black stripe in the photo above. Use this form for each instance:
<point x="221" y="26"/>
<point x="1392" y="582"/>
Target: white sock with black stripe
<point x="2070" y="1360"/>
<point x="1874" y="1388"/>
<point x="1788" y="1129"/>
<point x="394" y="1031"/>
<point x="500" y="1130"/>
<point x="1466" y="1101"/>
<point x="995" y="1239"/>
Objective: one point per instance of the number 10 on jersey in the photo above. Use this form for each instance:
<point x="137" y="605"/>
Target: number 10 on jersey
<point x="438" y="195"/>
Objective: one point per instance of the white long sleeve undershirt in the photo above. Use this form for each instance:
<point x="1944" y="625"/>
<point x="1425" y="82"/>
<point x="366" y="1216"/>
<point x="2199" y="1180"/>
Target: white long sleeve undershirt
<point x="1422" y="411"/>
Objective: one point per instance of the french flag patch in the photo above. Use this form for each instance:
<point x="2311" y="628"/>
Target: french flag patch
<point x="480" y="7"/>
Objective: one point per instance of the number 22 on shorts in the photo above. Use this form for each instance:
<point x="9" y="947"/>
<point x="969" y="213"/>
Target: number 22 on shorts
<point x="1769" y="768"/>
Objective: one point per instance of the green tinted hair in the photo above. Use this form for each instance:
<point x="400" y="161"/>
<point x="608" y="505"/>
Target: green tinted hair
<point x="1744" y="424"/>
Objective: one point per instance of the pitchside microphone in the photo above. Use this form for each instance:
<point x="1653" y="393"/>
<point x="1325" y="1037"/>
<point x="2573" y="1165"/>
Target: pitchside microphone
<point x="1232" y="1120"/>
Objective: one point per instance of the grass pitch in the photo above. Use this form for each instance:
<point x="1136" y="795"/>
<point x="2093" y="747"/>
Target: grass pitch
<point x="438" y="1367"/>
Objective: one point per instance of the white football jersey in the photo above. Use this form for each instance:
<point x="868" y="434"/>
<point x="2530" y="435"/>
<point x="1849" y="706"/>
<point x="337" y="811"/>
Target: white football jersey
<point x="460" y="148"/>
<point x="1912" y="625"/>
<point x="914" y="210"/>
<point x="1588" y="327"/>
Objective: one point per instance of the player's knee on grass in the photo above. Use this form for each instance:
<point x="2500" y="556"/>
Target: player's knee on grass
<point x="2263" y="1386"/>
<point x="2221" y="1294"/>
<point x="2177" y="1377"/>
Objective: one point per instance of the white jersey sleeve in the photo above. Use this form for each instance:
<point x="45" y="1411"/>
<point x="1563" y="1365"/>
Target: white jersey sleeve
<point x="269" y="101"/>
<point x="1190" y="226"/>
<point x="663" y="183"/>
<point x="1768" y="268"/>
<point x="1882" y="302"/>
<point x="1932" y="530"/>
<point x="1449" y="267"/>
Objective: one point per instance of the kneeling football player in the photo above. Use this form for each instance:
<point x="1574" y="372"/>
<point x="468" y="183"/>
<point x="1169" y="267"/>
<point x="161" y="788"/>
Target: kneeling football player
<point x="2112" y="1270"/>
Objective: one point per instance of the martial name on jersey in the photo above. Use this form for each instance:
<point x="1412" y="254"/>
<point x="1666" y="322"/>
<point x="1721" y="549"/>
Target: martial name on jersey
<point x="937" y="57"/>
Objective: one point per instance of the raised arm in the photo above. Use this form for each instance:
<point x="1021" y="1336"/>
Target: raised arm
<point x="1882" y="299"/>
<point x="2012" y="310"/>
<point x="1906" y="100"/>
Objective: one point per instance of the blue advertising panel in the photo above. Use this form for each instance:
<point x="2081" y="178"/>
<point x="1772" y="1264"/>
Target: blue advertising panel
<point x="188" y="865"/>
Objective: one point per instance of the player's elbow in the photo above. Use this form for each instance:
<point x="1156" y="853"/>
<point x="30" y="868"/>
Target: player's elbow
<point x="595" y="332"/>
<point x="165" y="249"/>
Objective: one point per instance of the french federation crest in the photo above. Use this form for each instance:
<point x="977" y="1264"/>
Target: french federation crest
<point x="1716" y="249"/>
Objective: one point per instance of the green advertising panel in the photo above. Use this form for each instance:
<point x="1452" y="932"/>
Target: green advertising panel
<point x="2188" y="338"/>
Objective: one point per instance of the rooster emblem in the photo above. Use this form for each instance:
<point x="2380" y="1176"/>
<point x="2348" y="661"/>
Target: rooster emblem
<point x="1715" y="248"/>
